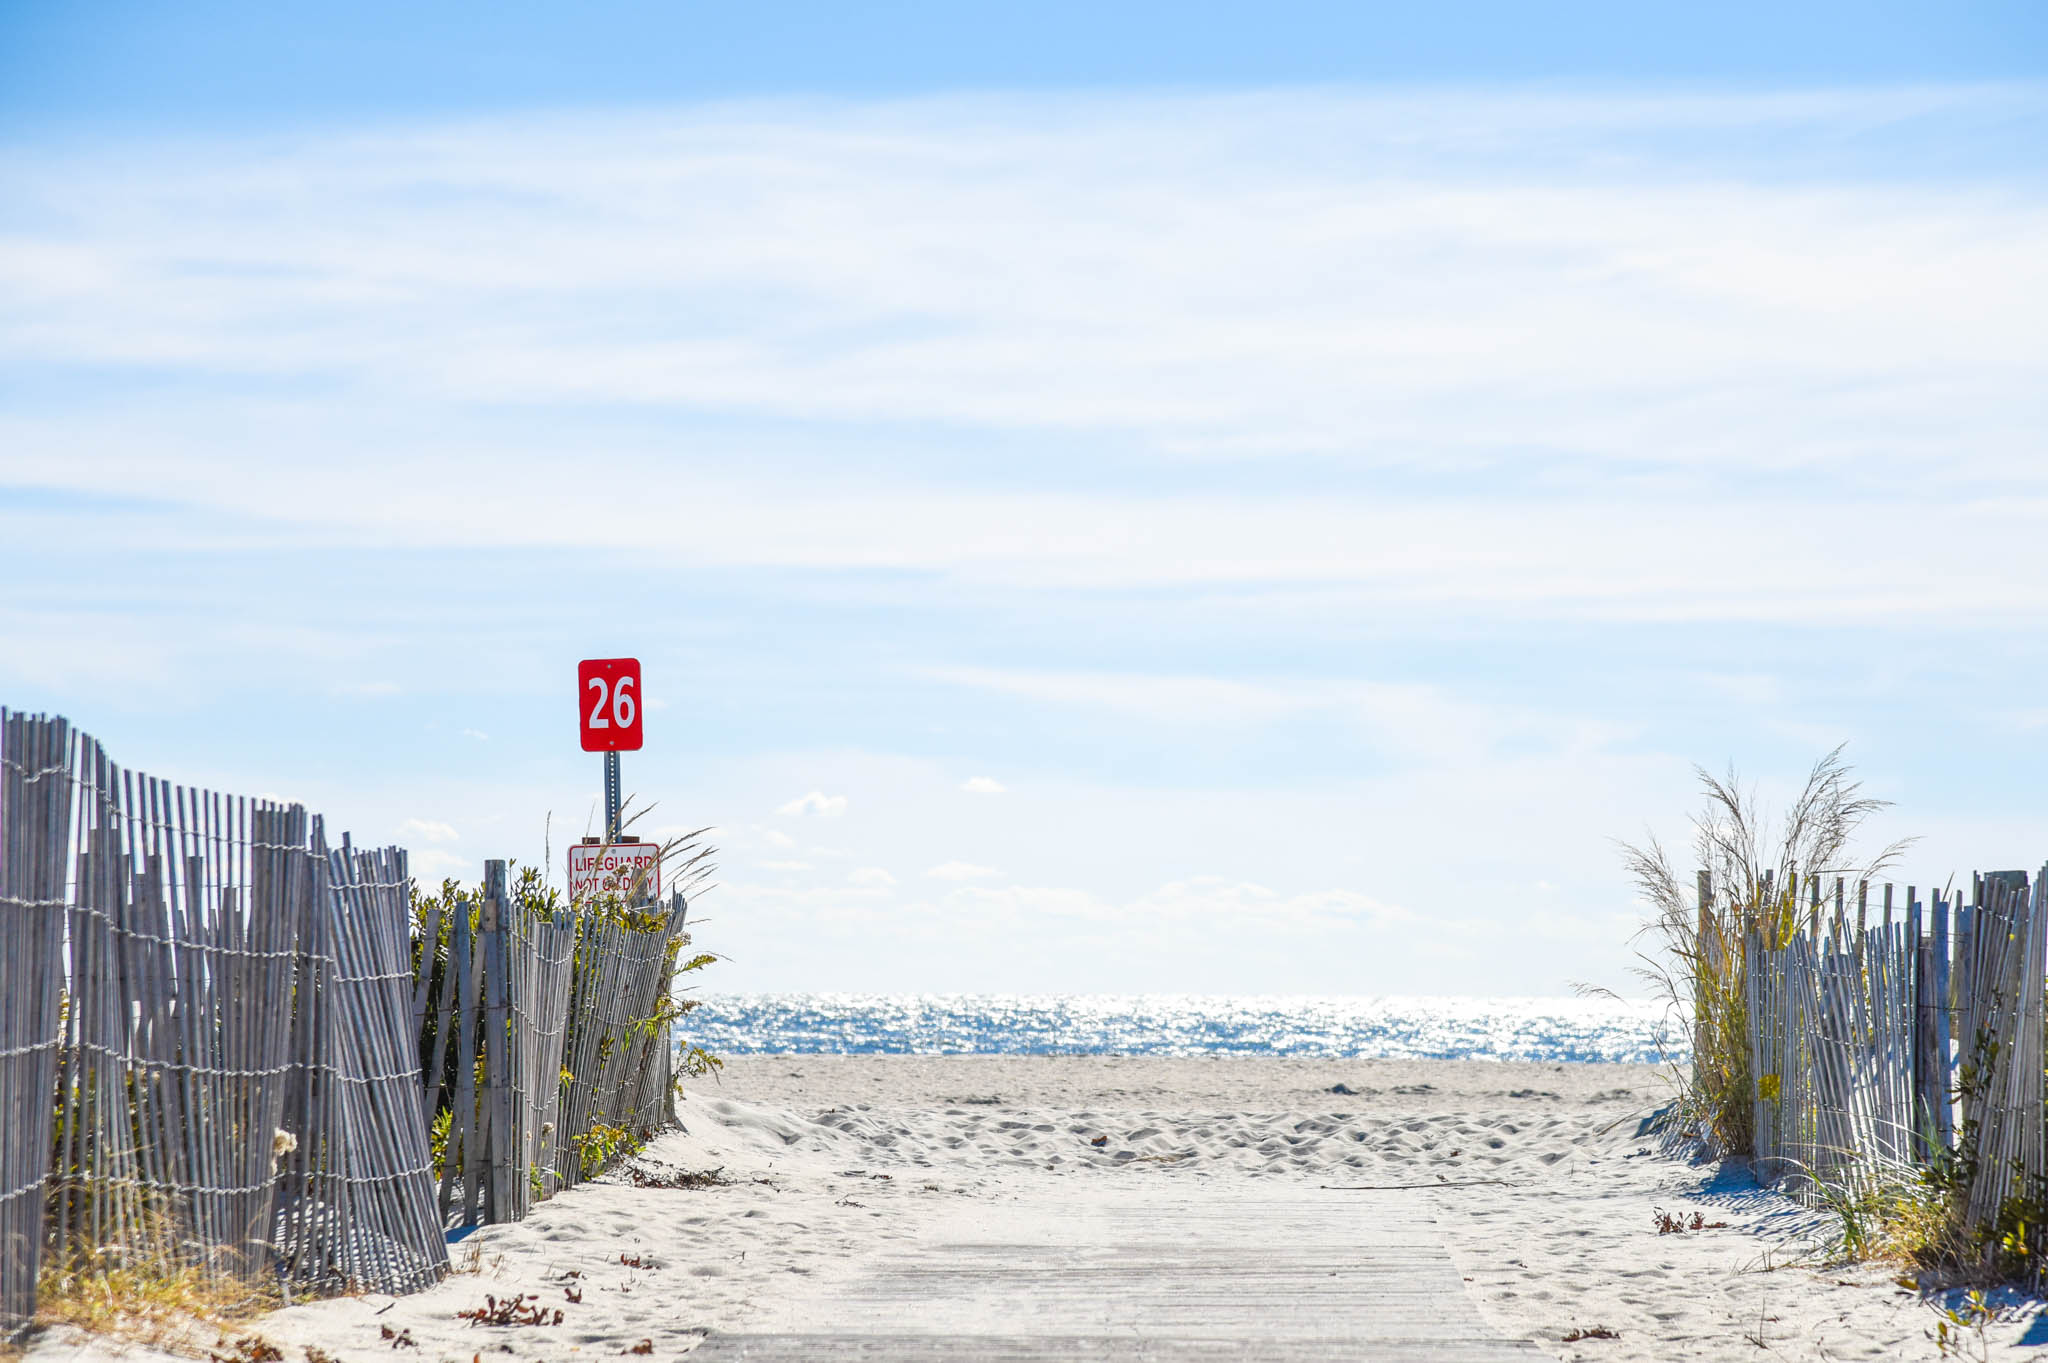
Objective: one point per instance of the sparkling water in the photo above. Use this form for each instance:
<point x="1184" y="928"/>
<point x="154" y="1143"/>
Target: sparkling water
<point x="1184" y="1024"/>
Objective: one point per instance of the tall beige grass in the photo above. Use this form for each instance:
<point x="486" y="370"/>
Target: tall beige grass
<point x="1758" y="880"/>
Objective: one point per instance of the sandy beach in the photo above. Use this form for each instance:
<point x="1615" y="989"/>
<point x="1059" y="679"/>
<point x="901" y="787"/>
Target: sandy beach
<point x="797" y="1173"/>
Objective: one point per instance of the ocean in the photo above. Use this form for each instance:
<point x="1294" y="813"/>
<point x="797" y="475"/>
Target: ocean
<point x="1184" y="1024"/>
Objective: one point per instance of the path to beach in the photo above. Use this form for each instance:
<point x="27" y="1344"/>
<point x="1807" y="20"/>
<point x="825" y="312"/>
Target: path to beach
<point x="1148" y="1270"/>
<point x="897" y="1207"/>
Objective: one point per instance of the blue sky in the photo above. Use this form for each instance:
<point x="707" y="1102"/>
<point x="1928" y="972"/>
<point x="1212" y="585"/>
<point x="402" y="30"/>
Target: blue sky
<point x="1180" y="500"/>
<point x="98" y="63"/>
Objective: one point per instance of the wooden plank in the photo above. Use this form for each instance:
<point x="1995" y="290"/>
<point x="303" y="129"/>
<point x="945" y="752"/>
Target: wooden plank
<point x="1942" y="1086"/>
<point x="470" y="984"/>
<point x="428" y="948"/>
<point x="1099" y="1349"/>
<point x="1159" y="1272"/>
<point x="504" y="1143"/>
<point x="1925" y="1073"/>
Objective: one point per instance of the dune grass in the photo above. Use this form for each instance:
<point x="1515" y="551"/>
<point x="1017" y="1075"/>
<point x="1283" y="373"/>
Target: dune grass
<point x="1754" y="879"/>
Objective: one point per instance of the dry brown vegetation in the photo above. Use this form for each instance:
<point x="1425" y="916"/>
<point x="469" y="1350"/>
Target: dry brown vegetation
<point x="180" y="1308"/>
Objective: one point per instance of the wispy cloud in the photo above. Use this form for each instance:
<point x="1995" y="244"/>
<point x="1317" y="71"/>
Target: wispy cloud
<point x="1217" y="281"/>
<point x="816" y="802"/>
<point x="1614" y="313"/>
<point x="962" y="870"/>
<point x="983" y="785"/>
<point x="1409" y="718"/>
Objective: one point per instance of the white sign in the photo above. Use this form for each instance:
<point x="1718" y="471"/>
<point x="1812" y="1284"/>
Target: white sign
<point x="617" y="869"/>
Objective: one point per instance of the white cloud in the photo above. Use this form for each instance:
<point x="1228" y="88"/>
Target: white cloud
<point x="870" y="877"/>
<point x="431" y="865"/>
<point x="817" y="802"/>
<point x="983" y="785"/>
<point x="784" y="865"/>
<point x="1419" y="721"/>
<point x="432" y="830"/>
<point x="1217" y="280"/>
<point x="961" y="870"/>
<point x="1193" y="700"/>
<point x="477" y="734"/>
<point x="371" y="689"/>
<point x="774" y="837"/>
<point x="1508" y="285"/>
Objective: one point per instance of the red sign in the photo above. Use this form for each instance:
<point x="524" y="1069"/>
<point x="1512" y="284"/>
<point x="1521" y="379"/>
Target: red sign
<point x="624" y="868"/>
<point x="609" y="702"/>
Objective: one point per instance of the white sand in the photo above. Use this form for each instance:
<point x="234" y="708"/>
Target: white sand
<point x="834" y="1159"/>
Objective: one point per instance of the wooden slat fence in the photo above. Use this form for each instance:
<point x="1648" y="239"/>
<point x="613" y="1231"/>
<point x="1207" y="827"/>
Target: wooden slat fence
<point x="613" y="1044"/>
<point x="35" y="823"/>
<point x="176" y="1045"/>
<point x="1876" y="1048"/>
<point x="542" y="954"/>
<point x="357" y="1206"/>
<point x="543" y="1023"/>
<point x="224" y="1042"/>
<point x="232" y="1036"/>
<point x="1999" y="977"/>
<point x="1831" y="1049"/>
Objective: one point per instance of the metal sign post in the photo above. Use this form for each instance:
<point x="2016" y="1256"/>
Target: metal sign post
<point x="608" y="705"/>
<point x="612" y="797"/>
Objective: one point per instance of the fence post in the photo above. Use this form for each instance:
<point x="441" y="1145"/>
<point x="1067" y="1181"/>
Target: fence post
<point x="35" y="822"/>
<point x="465" y="1129"/>
<point x="502" y="1136"/>
<point x="1938" y="1089"/>
<point x="1924" y="1069"/>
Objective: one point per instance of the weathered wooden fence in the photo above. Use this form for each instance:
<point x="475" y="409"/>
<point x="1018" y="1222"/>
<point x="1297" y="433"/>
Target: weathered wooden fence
<point x="225" y="1042"/>
<point x="1914" y="1040"/>
<point x="209" y="1008"/>
<point x="544" y="1039"/>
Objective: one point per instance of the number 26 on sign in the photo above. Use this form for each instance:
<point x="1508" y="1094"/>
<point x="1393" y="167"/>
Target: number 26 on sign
<point x="610" y="705"/>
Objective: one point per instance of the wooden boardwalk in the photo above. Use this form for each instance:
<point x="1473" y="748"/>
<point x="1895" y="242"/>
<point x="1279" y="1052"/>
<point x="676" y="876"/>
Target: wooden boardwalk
<point x="1165" y="1269"/>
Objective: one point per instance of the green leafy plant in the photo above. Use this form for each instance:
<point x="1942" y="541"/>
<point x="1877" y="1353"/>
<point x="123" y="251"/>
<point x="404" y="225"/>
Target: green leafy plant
<point x="601" y="1145"/>
<point x="1961" y="1331"/>
<point x="437" y="1139"/>
<point x="696" y="1063"/>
